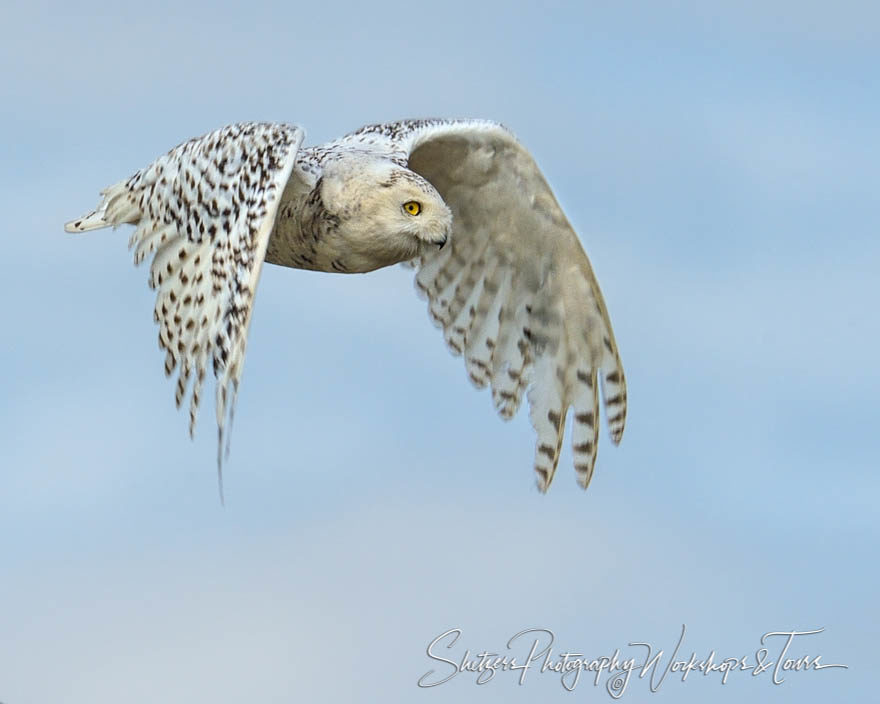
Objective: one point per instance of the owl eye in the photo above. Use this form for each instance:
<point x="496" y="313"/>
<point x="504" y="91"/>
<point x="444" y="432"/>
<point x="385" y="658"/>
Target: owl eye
<point x="412" y="207"/>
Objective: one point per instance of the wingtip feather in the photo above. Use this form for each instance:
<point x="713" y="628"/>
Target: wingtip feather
<point x="91" y="221"/>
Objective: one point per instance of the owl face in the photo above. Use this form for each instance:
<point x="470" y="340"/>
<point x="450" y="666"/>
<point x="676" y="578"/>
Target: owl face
<point x="386" y="214"/>
<point x="408" y="207"/>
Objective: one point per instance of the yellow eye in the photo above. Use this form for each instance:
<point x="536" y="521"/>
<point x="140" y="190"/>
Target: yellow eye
<point x="412" y="207"/>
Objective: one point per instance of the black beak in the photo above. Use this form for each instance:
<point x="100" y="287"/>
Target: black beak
<point x="440" y="243"/>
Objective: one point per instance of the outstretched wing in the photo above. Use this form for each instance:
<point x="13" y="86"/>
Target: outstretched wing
<point x="514" y="290"/>
<point x="205" y="211"/>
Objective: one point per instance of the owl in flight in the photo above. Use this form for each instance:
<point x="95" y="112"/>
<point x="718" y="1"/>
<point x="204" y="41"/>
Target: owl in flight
<point x="503" y="271"/>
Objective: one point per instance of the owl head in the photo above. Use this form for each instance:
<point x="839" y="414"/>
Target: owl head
<point x="383" y="212"/>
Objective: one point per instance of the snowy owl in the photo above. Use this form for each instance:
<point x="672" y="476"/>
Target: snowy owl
<point x="503" y="271"/>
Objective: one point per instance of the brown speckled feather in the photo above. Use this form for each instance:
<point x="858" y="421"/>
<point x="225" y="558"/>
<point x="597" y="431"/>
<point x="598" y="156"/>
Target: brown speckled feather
<point x="205" y="210"/>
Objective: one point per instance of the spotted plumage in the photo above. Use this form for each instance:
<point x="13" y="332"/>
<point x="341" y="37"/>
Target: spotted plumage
<point x="512" y="290"/>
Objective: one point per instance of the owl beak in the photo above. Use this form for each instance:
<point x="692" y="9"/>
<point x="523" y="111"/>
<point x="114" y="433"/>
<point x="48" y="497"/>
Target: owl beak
<point x="441" y="242"/>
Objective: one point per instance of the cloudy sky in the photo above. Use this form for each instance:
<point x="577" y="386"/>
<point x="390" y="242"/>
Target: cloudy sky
<point x="721" y="168"/>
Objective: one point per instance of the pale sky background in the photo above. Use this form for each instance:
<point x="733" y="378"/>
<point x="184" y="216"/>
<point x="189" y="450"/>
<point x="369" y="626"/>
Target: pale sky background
<point x="721" y="167"/>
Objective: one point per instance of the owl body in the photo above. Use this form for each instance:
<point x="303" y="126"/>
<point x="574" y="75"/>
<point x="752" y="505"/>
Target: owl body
<point x="513" y="290"/>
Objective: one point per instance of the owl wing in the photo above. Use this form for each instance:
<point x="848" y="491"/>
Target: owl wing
<point x="205" y="211"/>
<point x="514" y="291"/>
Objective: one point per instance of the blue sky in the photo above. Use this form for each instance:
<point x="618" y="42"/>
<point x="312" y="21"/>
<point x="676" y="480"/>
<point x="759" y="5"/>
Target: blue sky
<point x="720" y="166"/>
